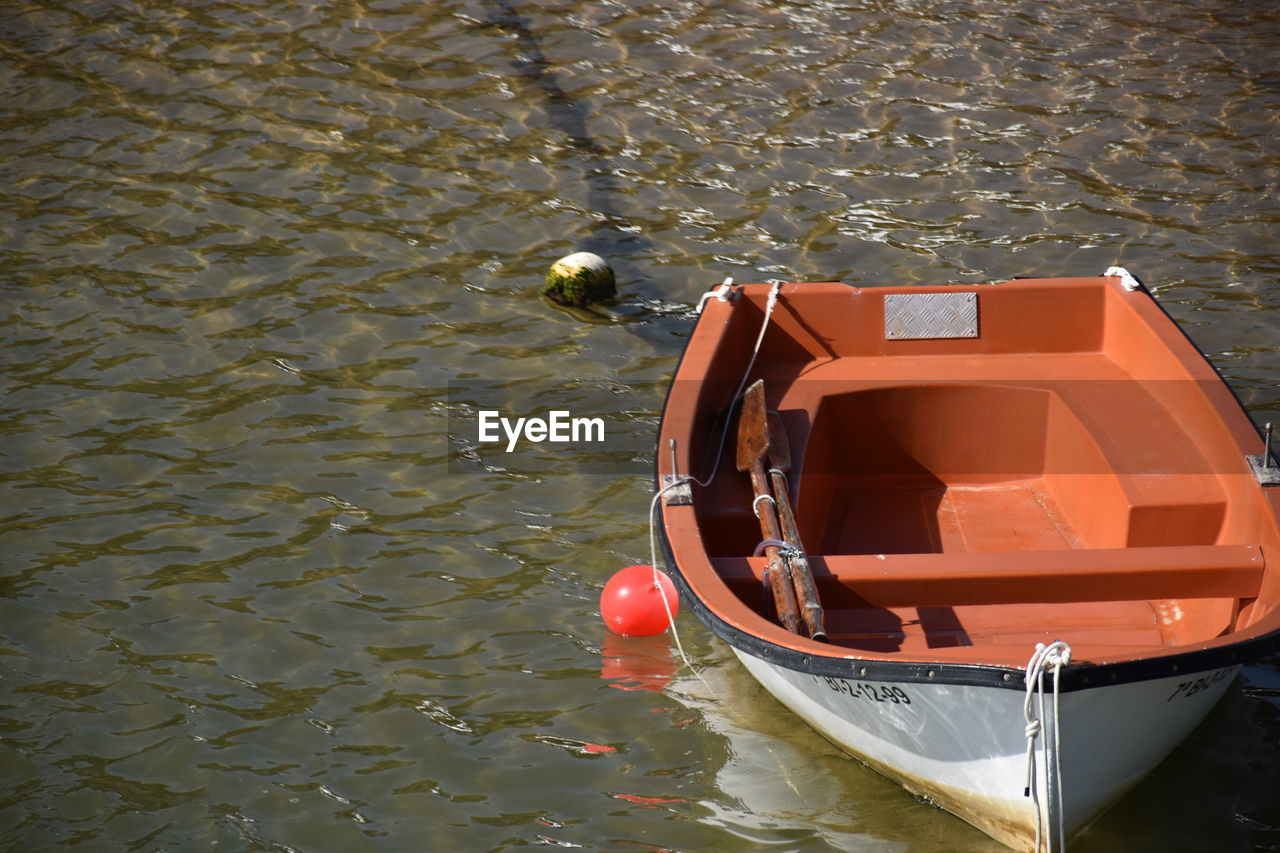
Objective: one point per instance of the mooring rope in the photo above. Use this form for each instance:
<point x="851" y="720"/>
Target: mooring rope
<point x="1056" y="655"/>
<point x="653" y="563"/>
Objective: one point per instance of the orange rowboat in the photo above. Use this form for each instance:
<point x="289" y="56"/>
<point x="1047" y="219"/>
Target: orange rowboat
<point x="1041" y="530"/>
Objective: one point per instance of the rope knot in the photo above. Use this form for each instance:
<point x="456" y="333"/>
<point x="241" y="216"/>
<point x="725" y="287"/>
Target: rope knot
<point x="1033" y="729"/>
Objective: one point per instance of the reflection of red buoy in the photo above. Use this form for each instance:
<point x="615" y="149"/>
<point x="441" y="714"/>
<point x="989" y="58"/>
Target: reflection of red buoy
<point x="636" y="663"/>
<point x="631" y="603"/>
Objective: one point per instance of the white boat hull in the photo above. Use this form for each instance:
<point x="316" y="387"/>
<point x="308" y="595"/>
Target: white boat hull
<point x="964" y="747"/>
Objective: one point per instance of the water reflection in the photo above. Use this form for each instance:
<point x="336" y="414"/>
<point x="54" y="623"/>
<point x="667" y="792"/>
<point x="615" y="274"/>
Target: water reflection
<point x="637" y="663"/>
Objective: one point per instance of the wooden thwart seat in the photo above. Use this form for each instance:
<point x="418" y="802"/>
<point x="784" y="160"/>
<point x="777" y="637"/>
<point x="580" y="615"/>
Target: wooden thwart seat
<point x="1012" y="577"/>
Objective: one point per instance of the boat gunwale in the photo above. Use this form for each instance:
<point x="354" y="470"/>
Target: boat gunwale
<point x="1262" y="639"/>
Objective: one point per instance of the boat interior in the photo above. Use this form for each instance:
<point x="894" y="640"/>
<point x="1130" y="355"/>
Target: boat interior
<point x="1072" y="469"/>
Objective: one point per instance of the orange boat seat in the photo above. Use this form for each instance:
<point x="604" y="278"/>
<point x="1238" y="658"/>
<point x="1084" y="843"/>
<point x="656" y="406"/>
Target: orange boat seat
<point x="1009" y="577"/>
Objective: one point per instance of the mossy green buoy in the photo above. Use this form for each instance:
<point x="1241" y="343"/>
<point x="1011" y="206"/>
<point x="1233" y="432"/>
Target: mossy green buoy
<point x="580" y="279"/>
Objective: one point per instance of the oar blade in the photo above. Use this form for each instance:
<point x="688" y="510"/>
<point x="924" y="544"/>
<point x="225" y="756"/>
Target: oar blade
<point x="753" y="431"/>
<point x="779" y="447"/>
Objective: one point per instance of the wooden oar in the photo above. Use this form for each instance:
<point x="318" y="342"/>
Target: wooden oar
<point x="801" y="574"/>
<point x="753" y="448"/>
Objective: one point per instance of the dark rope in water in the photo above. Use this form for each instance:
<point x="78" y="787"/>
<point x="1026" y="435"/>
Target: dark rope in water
<point x="569" y="116"/>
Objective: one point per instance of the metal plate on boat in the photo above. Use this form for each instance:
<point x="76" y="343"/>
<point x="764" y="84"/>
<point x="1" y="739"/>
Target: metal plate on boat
<point x="1267" y="472"/>
<point x="910" y="316"/>
<point x="681" y="495"/>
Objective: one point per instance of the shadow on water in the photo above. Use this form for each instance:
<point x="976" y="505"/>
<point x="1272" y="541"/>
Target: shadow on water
<point x="612" y="236"/>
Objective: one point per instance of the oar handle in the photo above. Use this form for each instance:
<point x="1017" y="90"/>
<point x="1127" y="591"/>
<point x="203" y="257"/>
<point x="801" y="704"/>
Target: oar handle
<point x="777" y="572"/>
<point x="806" y="589"/>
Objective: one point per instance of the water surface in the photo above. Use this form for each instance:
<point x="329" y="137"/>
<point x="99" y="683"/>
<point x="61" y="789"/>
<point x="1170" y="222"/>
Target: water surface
<point x="259" y="262"/>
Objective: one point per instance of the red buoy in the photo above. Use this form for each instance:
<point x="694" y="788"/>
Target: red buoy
<point x="631" y="603"/>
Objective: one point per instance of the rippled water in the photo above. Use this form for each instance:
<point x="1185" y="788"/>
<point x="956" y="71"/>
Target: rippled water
<point x="260" y="262"/>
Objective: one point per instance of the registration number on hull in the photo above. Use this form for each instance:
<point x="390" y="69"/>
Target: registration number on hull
<point x="875" y="693"/>
<point x="1192" y="686"/>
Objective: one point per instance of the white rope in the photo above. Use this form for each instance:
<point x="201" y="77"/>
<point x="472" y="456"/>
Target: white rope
<point x="755" y="504"/>
<point x="1056" y="655"/>
<point x="653" y="562"/>
<point x="746" y="374"/>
